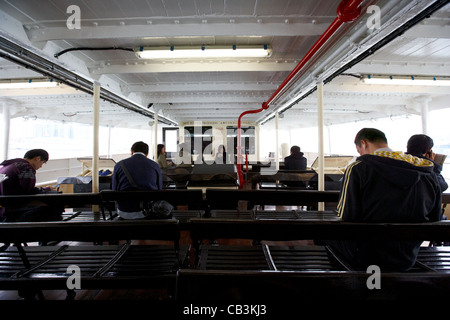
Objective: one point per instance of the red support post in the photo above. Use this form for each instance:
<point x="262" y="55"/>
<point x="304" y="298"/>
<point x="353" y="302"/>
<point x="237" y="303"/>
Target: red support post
<point x="347" y="11"/>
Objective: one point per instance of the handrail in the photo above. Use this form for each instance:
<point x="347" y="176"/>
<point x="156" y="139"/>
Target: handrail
<point x="347" y="11"/>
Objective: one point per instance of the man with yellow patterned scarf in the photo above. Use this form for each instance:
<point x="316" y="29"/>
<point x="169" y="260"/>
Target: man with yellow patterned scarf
<point x="383" y="185"/>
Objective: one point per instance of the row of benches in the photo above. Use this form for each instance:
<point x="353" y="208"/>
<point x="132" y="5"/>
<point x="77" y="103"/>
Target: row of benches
<point x="221" y="272"/>
<point x="262" y="271"/>
<point x="188" y="203"/>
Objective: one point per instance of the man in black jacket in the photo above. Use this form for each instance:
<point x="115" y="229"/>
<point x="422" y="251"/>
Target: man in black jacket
<point x="383" y="185"/>
<point x="135" y="173"/>
<point x="296" y="160"/>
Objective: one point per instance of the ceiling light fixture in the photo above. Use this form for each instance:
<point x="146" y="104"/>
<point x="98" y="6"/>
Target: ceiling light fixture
<point x="193" y="52"/>
<point x="406" y="81"/>
<point x="28" y="84"/>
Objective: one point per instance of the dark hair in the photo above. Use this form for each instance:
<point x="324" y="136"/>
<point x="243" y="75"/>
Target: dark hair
<point x="159" y="149"/>
<point x="295" y="149"/>
<point x="371" y="135"/>
<point x="419" y="144"/>
<point x="140" y="147"/>
<point x="221" y="146"/>
<point x="33" y="153"/>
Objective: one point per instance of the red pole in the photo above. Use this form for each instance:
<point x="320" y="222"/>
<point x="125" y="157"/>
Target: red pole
<point x="347" y="11"/>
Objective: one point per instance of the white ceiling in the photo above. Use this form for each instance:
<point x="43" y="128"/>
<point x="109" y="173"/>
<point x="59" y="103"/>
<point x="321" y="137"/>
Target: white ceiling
<point x="220" y="90"/>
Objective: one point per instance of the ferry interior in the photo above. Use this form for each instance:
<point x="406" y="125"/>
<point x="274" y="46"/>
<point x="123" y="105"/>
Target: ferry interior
<point x="72" y="49"/>
<point x="256" y="76"/>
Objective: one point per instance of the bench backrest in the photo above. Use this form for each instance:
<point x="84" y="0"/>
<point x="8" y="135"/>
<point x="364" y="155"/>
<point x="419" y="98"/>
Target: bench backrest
<point x="89" y="231"/>
<point x="192" y="198"/>
<point x="286" y="229"/>
<point x="62" y="199"/>
<point x="223" y="198"/>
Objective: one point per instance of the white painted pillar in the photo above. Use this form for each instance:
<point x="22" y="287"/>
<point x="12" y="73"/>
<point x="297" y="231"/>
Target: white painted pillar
<point x="257" y="130"/>
<point x="6" y="123"/>
<point x="155" y="142"/>
<point x="425" y="112"/>
<point x="321" y="176"/>
<point x="110" y="130"/>
<point x="277" y="160"/>
<point x="96" y="126"/>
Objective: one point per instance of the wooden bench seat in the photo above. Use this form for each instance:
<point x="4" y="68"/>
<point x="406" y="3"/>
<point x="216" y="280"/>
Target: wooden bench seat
<point x="190" y="198"/>
<point x="282" y="289"/>
<point x="123" y="266"/>
<point x="282" y="272"/>
<point x="275" y="215"/>
<point x="187" y="203"/>
<point x="230" y="199"/>
<point x="266" y="257"/>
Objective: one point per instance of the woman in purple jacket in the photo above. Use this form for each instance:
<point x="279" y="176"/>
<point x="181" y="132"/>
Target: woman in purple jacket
<point x="19" y="178"/>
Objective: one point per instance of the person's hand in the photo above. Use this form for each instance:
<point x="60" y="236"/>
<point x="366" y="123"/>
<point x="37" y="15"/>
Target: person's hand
<point x="430" y="155"/>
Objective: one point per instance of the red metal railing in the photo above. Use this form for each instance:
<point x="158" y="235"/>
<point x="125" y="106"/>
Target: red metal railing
<point x="347" y="11"/>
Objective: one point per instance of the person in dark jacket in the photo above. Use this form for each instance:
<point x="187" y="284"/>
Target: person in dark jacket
<point x="421" y="145"/>
<point x="383" y="185"/>
<point x="18" y="177"/>
<point x="296" y="160"/>
<point x="145" y="174"/>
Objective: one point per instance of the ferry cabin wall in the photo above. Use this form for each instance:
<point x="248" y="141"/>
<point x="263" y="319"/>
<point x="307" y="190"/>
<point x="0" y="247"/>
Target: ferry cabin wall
<point x="209" y="135"/>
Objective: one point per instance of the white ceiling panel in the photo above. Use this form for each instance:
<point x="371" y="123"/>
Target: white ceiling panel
<point x="220" y="89"/>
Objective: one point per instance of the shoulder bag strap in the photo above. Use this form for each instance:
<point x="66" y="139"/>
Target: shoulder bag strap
<point x="142" y="204"/>
<point x="129" y="177"/>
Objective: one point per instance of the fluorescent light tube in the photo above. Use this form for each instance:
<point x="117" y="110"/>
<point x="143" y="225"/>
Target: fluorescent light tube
<point x="203" y="52"/>
<point x="27" y="84"/>
<point x="412" y="81"/>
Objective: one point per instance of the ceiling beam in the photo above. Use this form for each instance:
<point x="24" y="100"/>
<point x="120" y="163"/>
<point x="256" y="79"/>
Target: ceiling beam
<point x="429" y="30"/>
<point x="397" y="65"/>
<point x="174" y="28"/>
<point x="205" y="86"/>
<point x="223" y="66"/>
<point x="208" y="98"/>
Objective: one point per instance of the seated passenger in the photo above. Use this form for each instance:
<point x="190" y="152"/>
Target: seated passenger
<point x="221" y="155"/>
<point x="296" y="160"/>
<point x="161" y="156"/>
<point x="420" y="145"/>
<point x="383" y="185"/>
<point x="19" y="178"/>
<point x="135" y="173"/>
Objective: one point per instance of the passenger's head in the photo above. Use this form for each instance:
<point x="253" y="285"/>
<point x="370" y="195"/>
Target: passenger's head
<point x="161" y="149"/>
<point x="139" y="147"/>
<point x="419" y="144"/>
<point x="221" y="148"/>
<point x="368" y="140"/>
<point x="295" y="149"/>
<point x="36" y="157"/>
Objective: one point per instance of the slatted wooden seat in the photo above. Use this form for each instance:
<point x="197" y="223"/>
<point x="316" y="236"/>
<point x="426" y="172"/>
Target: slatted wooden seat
<point x="123" y="266"/>
<point x="229" y="199"/>
<point x="296" y="272"/>
<point x="435" y="258"/>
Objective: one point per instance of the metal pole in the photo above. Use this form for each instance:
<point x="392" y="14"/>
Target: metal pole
<point x="321" y="178"/>
<point x="95" y="156"/>
<point x="6" y="122"/>
<point x="257" y="132"/>
<point x="425" y="111"/>
<point x="277" y="160"/>
<point x="109" y="142"/>
<point x="155" y="144"/>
